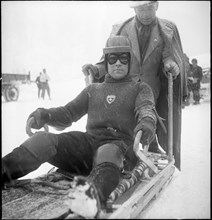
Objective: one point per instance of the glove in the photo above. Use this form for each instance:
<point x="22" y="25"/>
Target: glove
<point x="171" y="66"/>
<point x="148" y="127"/>
<point x="85" y="69"/>
<point x="41" y="117"/>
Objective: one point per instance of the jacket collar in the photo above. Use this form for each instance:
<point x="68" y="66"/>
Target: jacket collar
<point x="166" y="28"/>
<point x="154" y="39"/>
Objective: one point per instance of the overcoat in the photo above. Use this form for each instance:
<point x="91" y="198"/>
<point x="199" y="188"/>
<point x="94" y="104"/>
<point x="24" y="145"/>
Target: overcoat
<point x="164" y="43"/>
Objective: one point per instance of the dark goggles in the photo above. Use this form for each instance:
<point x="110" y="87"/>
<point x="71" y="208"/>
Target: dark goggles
<point x="124" y="58"/>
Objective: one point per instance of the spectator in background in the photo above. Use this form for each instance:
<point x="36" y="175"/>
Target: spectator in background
<point x="189" y="79"/>
<point x="39" y="85"/>
<point x="44" y="79"/>
<point x="197" y="77"/>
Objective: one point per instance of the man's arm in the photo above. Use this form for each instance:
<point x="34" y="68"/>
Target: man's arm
<point x="63" y="117"/>
<point x="173" y="57"/>
<point x="145" y="114"/>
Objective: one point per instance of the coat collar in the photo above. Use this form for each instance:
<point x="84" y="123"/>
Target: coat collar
<point x="134" y="39"/>
<point x="153" y="42"/>
<point x="165" y="27"/>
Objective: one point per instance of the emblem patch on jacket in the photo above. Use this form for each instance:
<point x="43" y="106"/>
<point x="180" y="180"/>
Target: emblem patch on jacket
<point x="111" y="98"/>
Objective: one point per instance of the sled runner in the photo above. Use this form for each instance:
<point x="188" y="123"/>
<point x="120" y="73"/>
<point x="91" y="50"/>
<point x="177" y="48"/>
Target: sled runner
<point x="46" y="197"/>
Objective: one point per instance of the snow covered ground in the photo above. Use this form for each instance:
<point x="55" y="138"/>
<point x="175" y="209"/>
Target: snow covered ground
<point x="188" y="194"/>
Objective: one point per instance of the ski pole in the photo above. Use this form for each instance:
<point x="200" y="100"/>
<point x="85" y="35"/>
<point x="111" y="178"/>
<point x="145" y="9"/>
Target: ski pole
<point x="29" y="127"/>
<point x="170" y="116"/>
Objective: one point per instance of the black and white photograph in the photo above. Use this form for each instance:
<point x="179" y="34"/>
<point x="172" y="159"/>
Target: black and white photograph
<point x="106" y="109"/>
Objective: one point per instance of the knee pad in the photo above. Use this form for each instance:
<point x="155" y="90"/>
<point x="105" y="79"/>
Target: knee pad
<point x="42" y="145"/>
<point x="109" y="153"/>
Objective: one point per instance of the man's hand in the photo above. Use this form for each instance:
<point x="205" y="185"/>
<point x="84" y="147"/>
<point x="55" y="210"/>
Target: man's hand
<point x="89" y="68"/>
<point x="147" y="126"/>
<point x="172" y="67"/>
<point x="41" y="117"/>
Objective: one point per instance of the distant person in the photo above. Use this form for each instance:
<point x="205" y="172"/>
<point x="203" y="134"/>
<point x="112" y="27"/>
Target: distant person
<point x="44" y="79"/>
<point x="39" y="85"/>
<point x="197" y="77"/>
<point x="189" y="77"/>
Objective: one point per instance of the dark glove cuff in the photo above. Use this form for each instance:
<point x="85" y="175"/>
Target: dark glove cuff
<point x="145" y="122"/>
<point x="45" y="115"/>
<point x="41" y="113"/>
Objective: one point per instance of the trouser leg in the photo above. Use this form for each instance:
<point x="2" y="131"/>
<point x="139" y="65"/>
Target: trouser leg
<point x="18" y="163"/>
<point x="68" y="151"/>
<point x="74" y="153"/>
<point x="196" y="95"/>
<point x="48" y="90"/>
<point x="29" y="155"/>
<point x="106" y="172"/>
<point x="43" y="93"/>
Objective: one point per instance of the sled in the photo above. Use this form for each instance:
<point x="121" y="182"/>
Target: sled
<point x="46" y="197"/>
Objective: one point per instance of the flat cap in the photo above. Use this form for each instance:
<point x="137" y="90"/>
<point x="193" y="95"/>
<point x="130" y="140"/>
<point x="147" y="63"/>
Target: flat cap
<point x="134" y="4"/>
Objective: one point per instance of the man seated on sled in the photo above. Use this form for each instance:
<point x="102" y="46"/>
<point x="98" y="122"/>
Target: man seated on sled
<point x="117" y="109"/>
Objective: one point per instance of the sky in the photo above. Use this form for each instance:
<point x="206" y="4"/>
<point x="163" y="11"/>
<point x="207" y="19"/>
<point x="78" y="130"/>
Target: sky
<point x="62" y="36"/>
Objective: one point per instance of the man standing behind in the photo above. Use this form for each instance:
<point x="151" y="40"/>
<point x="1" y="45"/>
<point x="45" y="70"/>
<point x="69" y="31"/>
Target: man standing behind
<point x="37" y="81"/>
<point x="44" y="79"/>
<point x="157" y="50"/>
<point x="197" y="77"/>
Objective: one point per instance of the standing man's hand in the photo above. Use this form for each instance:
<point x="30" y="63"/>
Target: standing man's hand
<point x="172" y="67"/>
<point x="89" y="68"/>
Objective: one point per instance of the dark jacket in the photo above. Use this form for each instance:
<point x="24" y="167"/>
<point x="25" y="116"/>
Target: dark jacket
<point x="37" y="81"/>
<point x="197" y="75"/>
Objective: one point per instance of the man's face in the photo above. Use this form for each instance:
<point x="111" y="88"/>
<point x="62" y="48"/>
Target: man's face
<point x="146" y="13"/>
<point x="194" y="63"/>
<point x="118" y="65"/>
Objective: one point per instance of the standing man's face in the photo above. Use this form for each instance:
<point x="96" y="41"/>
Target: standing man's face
<point x="146" y="13"/>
